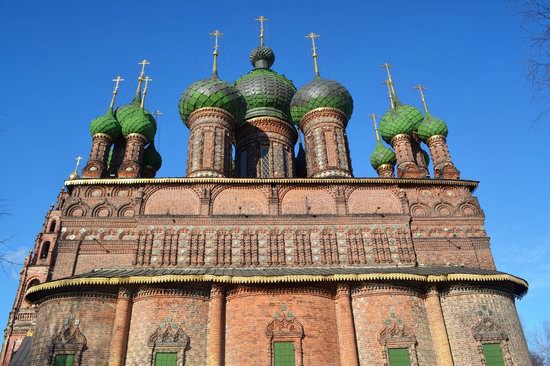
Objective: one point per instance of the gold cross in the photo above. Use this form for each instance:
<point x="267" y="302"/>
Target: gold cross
<point x="147" y="79"/>
<point x="78" y="159"/>
<point x="143" y="63"/>
<point x="312" y="36"/>
<point x="387" y="66"/>
<point x="375" y="126"/>
<point x="158" y="113"/>
<point x="421" y="90"/>
<point x="262" y="19"/>
<point x="216" y="34"/>
<point x="389" y="85"/>
<point x="117" y="80"/>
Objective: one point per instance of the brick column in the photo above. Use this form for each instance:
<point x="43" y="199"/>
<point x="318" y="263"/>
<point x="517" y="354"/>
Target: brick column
<point x="443" y="166"/>
<point x="121" y="328"/>
<point x="406" y="166"/>
<point x="436" y="322"/>
<point x="326" y="143"/>
<point x="97" y="162"/>
<point x="346" y="328"/>
<point x="385" y="171"/>
<point x="133" y="156"/>
<point x="265" y="148"/>
<point x="210" y="139"/>
<point x="216" y="326"/>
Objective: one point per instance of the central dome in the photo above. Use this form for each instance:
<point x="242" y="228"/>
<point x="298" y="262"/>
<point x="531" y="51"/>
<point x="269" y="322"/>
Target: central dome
<point x="267" y="93"/>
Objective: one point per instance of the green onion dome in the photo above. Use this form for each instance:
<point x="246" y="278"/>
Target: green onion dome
<point x="151" y="157"/>
<point x="138" y="122"/>
<point x="212" y="93"/>
<point x="106" y="124"/>
<point x="321" y="93"/>
<point x="403" y="119"/>
<point x="133" y="109"/>
<point x="266" y="92"/>
<point x="382" y="155"/>
<point x="432" y="126"/>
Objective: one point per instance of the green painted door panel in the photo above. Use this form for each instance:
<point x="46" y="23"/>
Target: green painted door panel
<point x="283" y="354"/>
<point x="166" y="359"/>
<point x="399" y="357"/>
<point x="493" y="354"/>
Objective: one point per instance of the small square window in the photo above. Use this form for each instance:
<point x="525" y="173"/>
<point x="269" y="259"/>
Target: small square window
<point x="283" y="354"/>
<point x="64" y="360"/>
<point x="166" y="359"/>
<point x="399" y="357"/>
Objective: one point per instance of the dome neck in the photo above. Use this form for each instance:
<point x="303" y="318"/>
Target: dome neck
<point x="261" y="64"/>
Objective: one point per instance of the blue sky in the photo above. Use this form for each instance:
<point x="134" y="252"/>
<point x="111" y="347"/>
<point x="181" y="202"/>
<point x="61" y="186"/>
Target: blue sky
<point x="58" y="59"/>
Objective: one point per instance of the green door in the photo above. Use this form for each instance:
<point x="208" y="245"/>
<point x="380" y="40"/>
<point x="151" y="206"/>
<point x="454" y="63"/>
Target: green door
<point x="166" y="359"/>
<point x="493" y="354"/>
<point x="399" y="357"/>
<point x="283" y="354"/>
<point x="64" y="360"/>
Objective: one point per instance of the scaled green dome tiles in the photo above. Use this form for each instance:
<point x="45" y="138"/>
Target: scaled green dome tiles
<point x="262" y="53"/>
<point x="321" y="93"/>
<point x="267" y="93"/>
<point x="138" y="123"/>
<point x="382" y="155"/>
<point x="130" y="111"/>
<point x="212" y="93"/>
<point x="404" y="119"/>
<point x="432" y="126"/>
<point x="106" y="124"/>
<point x="151" y="157"/>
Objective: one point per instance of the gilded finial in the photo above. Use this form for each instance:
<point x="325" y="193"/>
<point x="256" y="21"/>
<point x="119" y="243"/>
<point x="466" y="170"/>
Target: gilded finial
<point x="390" y="94"/>
<point x="312" y="36"/>
<point x="117" y="81"/>
<point x="143" y="63"/>
<point x="375" y="127"/>
<point x="147" y="79"/>
<point x="262" y="19"/>
<point x="421" y="90"/>
<point x="157" y="114"/>
<point x="216" y="34"/>
<point x="74" y="174"/>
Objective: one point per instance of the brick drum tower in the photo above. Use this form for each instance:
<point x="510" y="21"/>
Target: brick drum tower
<point x="260" y="256"/>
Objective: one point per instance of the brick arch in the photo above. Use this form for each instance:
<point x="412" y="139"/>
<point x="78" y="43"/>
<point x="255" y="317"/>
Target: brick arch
<point x="173" y="201"/>
<point x="303" y="201"/>
<point x="370" y="201"/>
<point x="235" y="201"/>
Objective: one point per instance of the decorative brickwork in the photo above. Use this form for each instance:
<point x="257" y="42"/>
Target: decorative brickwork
<point x="327" y="152"/>
<point x="406" y="165"/>
<point x="99" y="154"/>
<point x="133" y="156"/>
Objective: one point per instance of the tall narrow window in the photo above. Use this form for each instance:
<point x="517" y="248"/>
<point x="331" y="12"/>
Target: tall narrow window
<point x="243" y="164"/>
<point x="399" y="357"/>
<point x="493" y="354"/>
<point x="283" y="354"/>
<point x="264" y="162"/>
<point x="52" y="227"/>
<point x="64" y="360"/>
<point x="45" y="250"/>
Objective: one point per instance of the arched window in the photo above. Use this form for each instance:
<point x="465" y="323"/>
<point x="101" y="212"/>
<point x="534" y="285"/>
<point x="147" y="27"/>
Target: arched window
<point x="33" y="283"/>
<point x="45" y="250"/>
<point x="52" y="226"/>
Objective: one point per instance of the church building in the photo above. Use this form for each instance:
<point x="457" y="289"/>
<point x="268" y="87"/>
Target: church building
<point x="269" y="251"/>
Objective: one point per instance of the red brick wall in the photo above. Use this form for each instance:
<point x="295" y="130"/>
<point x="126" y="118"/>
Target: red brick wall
<point x="464" y="306"/>
<point x="95" y="314"/>
<point x="186" y="307"/>
<point x="250" y="310"/>
<point x="376" y="305"/>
